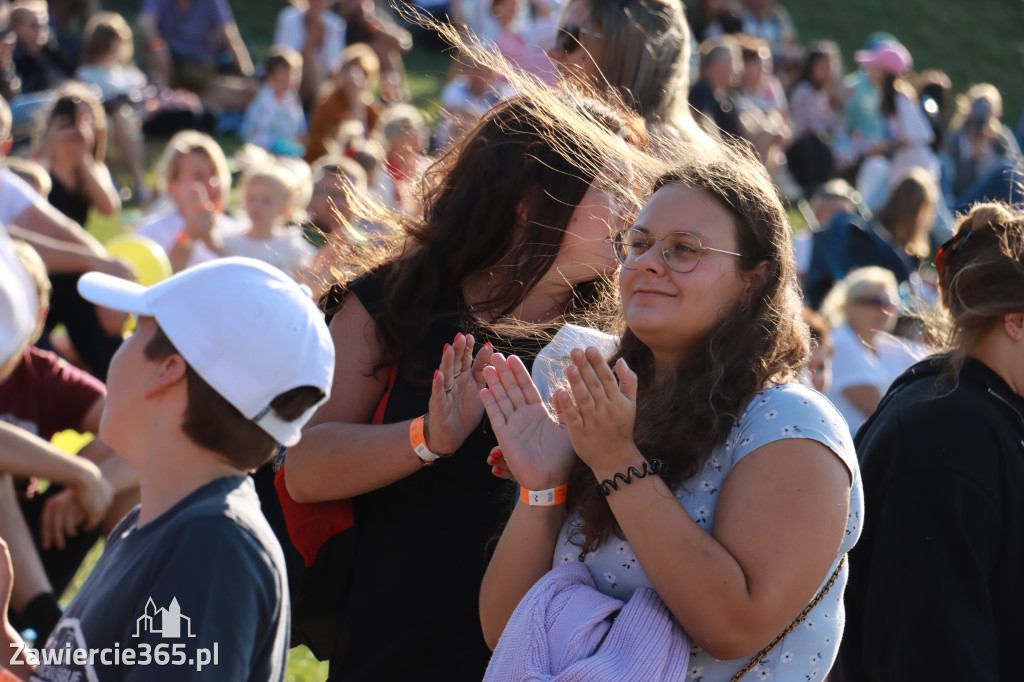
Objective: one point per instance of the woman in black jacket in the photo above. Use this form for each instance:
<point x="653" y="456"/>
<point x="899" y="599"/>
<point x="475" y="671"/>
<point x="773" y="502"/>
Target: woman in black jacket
<point x="935" y="588"/>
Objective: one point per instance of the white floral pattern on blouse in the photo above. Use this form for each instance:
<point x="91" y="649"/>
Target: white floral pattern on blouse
<point x="779" y="412"/>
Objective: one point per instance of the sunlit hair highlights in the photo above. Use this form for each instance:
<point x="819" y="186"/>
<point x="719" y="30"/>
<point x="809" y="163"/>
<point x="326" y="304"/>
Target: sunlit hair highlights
<point x="981" y="278"/>
<point x="496" y="205"/>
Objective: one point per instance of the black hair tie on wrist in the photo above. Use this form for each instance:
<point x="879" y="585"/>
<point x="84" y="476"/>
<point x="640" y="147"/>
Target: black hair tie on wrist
<point x="655" y="466"/>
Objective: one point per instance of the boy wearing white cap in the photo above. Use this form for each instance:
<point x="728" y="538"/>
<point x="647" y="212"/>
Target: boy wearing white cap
<point x="229" y="359"/>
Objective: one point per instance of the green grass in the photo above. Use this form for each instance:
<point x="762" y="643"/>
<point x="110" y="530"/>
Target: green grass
<point x="972" y="41"/>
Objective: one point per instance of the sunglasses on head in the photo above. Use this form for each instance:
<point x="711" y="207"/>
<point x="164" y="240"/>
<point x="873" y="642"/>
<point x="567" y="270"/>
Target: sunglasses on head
<point x="568" y="38"/>
<point x="946" y="251"/>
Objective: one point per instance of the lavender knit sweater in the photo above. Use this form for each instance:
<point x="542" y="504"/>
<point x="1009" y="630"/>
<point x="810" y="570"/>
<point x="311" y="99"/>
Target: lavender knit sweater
<point x="564" y="630"/>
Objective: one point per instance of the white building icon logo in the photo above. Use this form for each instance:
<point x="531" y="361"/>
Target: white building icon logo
<point x="166" y="622"/>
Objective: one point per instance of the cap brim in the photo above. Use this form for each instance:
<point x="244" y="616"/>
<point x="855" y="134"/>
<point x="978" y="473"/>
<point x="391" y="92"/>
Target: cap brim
<point x="114" y="293"/>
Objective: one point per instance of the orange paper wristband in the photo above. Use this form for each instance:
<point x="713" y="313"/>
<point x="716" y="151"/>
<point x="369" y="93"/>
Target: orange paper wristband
<point x="419" y="443"/>
<point x="543" y="498"/>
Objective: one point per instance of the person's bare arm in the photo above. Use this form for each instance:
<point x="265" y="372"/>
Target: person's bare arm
<point x="42" y="218"/>
<point x="536" y="450"/>
<point x="340" y="455"/>
<point x="522" y="557"/>
<point x="10" y="640"/>
<point x="63" y="514"/>
<point x="62" y="258"/>
<point x="99" y="186"/>
<point x="239" y="52"/>
<point x="23" y="454"/>
<point x="158" y="58"/>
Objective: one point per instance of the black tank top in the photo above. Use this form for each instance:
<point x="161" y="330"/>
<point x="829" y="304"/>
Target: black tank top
<point x="72" y="204"/>
<point x="422" y="543"/>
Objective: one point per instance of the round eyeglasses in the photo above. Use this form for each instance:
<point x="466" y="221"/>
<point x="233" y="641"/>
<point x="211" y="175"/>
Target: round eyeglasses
<point x="681" y="250"/>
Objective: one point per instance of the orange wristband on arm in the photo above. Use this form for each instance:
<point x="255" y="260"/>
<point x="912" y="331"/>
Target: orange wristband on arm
<point x="544" y="498"/>
<point x="419" y="442"/>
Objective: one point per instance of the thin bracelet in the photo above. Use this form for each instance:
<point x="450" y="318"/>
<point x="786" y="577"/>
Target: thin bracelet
<point x="655" y="466"/>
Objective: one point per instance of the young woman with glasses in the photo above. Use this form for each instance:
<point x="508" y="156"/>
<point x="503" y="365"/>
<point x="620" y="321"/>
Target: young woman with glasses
<point x="935" y="592"/>
<point x="513" y="241"/>
<point x="640" y="49"/>
<point x="691" y="462"/>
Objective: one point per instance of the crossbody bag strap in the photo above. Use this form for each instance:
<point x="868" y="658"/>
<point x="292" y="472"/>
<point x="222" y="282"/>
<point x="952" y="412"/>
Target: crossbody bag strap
<point x="759" y="656"/>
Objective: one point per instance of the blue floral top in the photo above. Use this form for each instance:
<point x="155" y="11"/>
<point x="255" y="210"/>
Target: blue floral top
<point x="786" y="411"/>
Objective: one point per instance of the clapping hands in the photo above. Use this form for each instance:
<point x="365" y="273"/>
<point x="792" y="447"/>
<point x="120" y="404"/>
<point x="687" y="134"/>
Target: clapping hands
<point x="599" y="408"/>
<point x="592" y="419"/>
<point x="534" y="447"/>
<point x="455" y="407"/>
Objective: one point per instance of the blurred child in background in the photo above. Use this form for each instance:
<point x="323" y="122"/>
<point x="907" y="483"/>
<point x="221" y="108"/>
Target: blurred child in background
<point x="405" y="137"/>
<point x="275" y="120"/>
<point x="348" y="96"/>
<point x="107" y="63"/>
<point x="272" y="205"/>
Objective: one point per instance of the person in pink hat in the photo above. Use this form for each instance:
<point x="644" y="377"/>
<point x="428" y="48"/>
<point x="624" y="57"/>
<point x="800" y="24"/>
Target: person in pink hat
<point x="907" y="133"/>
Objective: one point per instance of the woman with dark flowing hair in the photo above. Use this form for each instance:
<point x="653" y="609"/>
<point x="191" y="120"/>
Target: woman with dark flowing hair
<point x="691" y="462"/>
<point x="515" y="236"/>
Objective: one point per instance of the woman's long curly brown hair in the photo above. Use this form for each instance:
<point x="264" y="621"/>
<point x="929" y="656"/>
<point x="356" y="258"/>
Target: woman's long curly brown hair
<point x="762" y="340"/>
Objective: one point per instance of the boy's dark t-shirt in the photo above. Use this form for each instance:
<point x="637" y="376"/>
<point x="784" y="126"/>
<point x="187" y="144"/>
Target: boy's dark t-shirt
<point x="209" y="567"/>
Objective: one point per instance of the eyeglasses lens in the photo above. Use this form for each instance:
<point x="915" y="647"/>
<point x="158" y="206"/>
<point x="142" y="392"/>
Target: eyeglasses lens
<point x="681" y="250"/>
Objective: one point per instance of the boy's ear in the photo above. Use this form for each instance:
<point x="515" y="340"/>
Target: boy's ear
<point x="5" y="146"/>
<point x="171" y="373"/>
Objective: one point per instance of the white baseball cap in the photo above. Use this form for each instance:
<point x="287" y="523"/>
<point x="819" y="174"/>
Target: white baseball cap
<point x="19" y="302"/>
<point x="244" y="326"/>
